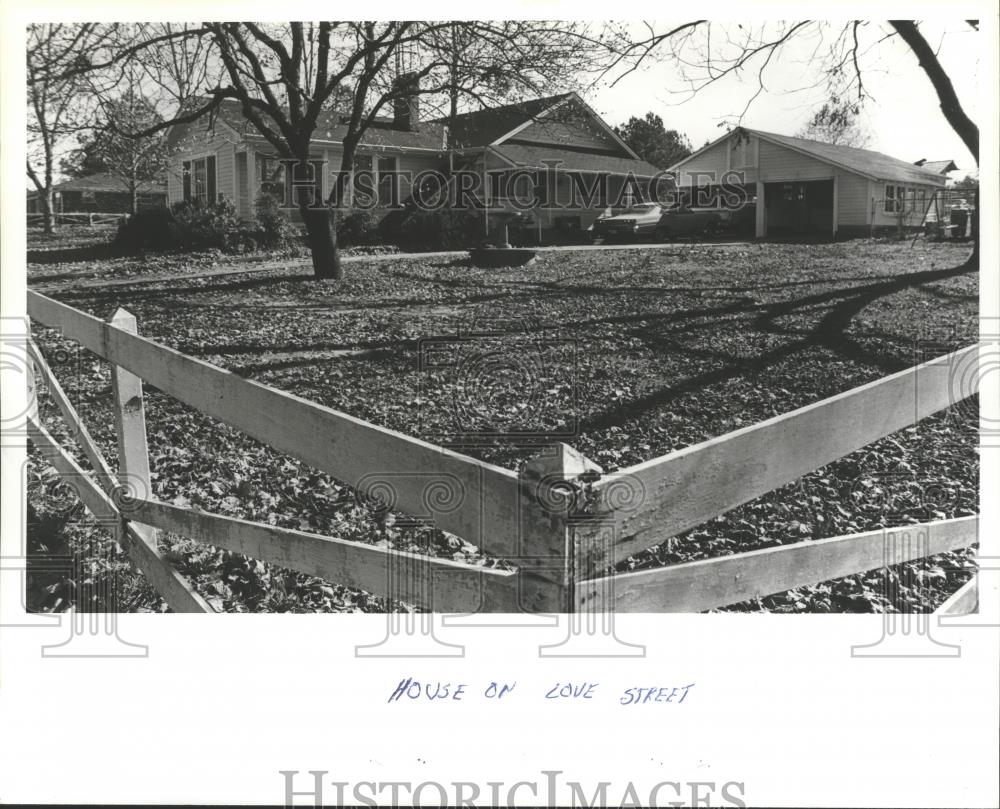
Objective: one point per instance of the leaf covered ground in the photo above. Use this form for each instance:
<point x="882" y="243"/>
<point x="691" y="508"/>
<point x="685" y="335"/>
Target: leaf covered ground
<point x="626" y="355"/>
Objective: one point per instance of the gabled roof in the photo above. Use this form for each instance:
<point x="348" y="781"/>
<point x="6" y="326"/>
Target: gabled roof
<point x="483" y="127"/>
<point x="573" y="159"/>
<point x="107" y="182"/>
<point x="331" y="128"/>
<point x="937" y="166"/>
<point x="494" y="126"/>
<point x="867" y="163"/>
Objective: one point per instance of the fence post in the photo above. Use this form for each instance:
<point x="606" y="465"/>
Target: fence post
<point x="548" y="492"/>
<point x="130" y="426"/>
<point x="555" y="485"/>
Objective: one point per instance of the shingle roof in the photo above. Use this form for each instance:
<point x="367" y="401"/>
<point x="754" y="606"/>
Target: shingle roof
<point x="573" y="160"/>
<point x="109" y="182"/>
<point x="331" y="129"/>
<point x="483" y="127"/>
<point x="938" y="166"/>
<point x="862" y="161"/>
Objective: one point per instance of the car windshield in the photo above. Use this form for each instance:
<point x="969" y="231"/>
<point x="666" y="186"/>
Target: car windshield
<point x="644" y="207"/>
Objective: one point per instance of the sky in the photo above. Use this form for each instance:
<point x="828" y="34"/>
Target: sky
<point x="904" y="120"/>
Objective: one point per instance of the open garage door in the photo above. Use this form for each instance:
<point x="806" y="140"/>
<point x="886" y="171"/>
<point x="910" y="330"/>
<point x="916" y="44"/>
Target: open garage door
<point x="799" y="208"/>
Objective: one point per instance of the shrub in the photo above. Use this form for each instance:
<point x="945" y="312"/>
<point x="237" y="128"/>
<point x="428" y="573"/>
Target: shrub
<point x="273" y="230"/>
<point x="151" y="229"/>
<point x="359" y="229"/>
<point x="202" y="226"/>
<point x="444" y="229"/>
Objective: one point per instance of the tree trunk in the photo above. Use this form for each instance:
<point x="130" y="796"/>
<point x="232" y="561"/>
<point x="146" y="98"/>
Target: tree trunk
<point x="964" y="127"/>
<point x="48" y="212"/>
<point x="322" y="234"/>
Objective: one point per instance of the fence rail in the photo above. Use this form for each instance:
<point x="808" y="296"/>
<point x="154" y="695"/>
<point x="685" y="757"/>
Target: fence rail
<point x="561" y="528"/>
<point x="79" y="217"/>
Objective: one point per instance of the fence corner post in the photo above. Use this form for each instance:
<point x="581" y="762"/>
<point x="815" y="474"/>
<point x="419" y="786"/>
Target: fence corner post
<point x="550" y="492"/>
<point x="130" y="424"/>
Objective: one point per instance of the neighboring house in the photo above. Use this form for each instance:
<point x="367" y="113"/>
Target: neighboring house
<point x="224" y="156"/>
<point x="937" y="166"/>
<point x="805" y="187"/>
<point x="100" y="193"/>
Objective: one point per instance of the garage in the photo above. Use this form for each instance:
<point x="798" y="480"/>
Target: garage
<point x="799" y="208"/>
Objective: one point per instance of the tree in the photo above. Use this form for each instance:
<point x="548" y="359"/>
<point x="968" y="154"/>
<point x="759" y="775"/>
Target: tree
<point x="836" y="122"/>
<point x="704" y="53"/>
<point x="653" y="142"/>
<point x="286" y="76"/>
<point x="133" y="161"/>
<point x="56" y="108"/>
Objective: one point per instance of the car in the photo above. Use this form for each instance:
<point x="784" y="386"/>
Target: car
<point x="635" y="222"/>
<point x="682" y="220"/>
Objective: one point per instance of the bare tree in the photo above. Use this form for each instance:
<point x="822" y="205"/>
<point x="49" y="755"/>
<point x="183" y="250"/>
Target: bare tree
<point x="703" y="53"/>
<point x="836" y="122"/>
<point x="286" y="77"/>
<point x="134" y="161"/>
<point x="56" y="108"/>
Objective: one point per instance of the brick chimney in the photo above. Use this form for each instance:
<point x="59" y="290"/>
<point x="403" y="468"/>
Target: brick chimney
<point x="406" y="107"/>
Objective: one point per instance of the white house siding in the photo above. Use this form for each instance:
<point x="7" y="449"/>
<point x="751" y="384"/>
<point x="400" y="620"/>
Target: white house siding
<point x="200" y="142"/>
<point x="567" y="132"/>
<point x="914" y="210"/>
<point x="242" y="185"/>
<point x="771" y="163"/>
<point x="714" y="160"/>
<point x="853" y="202"/>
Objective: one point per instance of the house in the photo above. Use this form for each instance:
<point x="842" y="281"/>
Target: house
<point x="804" y="187"/>
<point x="100" y="193"/>
<point x="939" y="166"/>
<point x="224" y="156"/>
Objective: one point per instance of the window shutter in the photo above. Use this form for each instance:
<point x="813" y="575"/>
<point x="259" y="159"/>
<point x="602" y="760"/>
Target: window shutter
<point x="210" y="172"/>
<point x="186" y="174"/>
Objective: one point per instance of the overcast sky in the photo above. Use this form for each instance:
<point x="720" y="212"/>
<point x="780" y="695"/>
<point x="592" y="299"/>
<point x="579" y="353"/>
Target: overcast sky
<point x="904" y="121"/>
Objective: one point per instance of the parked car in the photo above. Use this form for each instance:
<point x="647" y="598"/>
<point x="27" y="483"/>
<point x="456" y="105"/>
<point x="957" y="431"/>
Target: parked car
<point x="651" y="220"/>
<point x="684" y="221"/>
<point x="636" y="222"/>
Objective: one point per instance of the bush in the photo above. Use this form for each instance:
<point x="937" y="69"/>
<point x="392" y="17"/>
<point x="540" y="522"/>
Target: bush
<point x="151" y="229"/>
<point x="274" y="229"/>
<point x="443" y="229"/>
<point x="197" y="226"/>
<point x="203" y="226"/>
<point x="359" y="229"/>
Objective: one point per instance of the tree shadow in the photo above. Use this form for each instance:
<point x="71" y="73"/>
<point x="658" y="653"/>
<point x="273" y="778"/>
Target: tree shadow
<point x="829" y="332"/>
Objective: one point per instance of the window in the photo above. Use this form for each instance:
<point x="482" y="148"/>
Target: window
<point x="305" y="180"/>
<point x="271" y="177"/>
<point x="199" y="180"/>
<point x="890" y="199"/>
<point x="388" y="181"/>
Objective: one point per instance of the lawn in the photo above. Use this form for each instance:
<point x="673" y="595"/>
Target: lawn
<point x="626" y="355"/>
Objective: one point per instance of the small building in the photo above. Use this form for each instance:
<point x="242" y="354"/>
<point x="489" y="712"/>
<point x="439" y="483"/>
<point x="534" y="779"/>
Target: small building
<point x="804" y="187"/>
<point x="100" y="193"/>
<point x="943" y="167"/>
<point x="223" y="155"/>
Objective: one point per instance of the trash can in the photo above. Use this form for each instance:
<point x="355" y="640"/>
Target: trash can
<point x="960" y="221"/>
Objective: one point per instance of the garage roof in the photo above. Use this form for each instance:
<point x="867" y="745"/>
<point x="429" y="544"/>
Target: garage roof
<point x="876" y="165"/>
<point x="867" y="163"/>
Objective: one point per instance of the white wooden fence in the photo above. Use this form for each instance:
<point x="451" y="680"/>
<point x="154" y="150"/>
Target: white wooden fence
<point x="91" y="218"/>
<point x="562" y="522"/>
